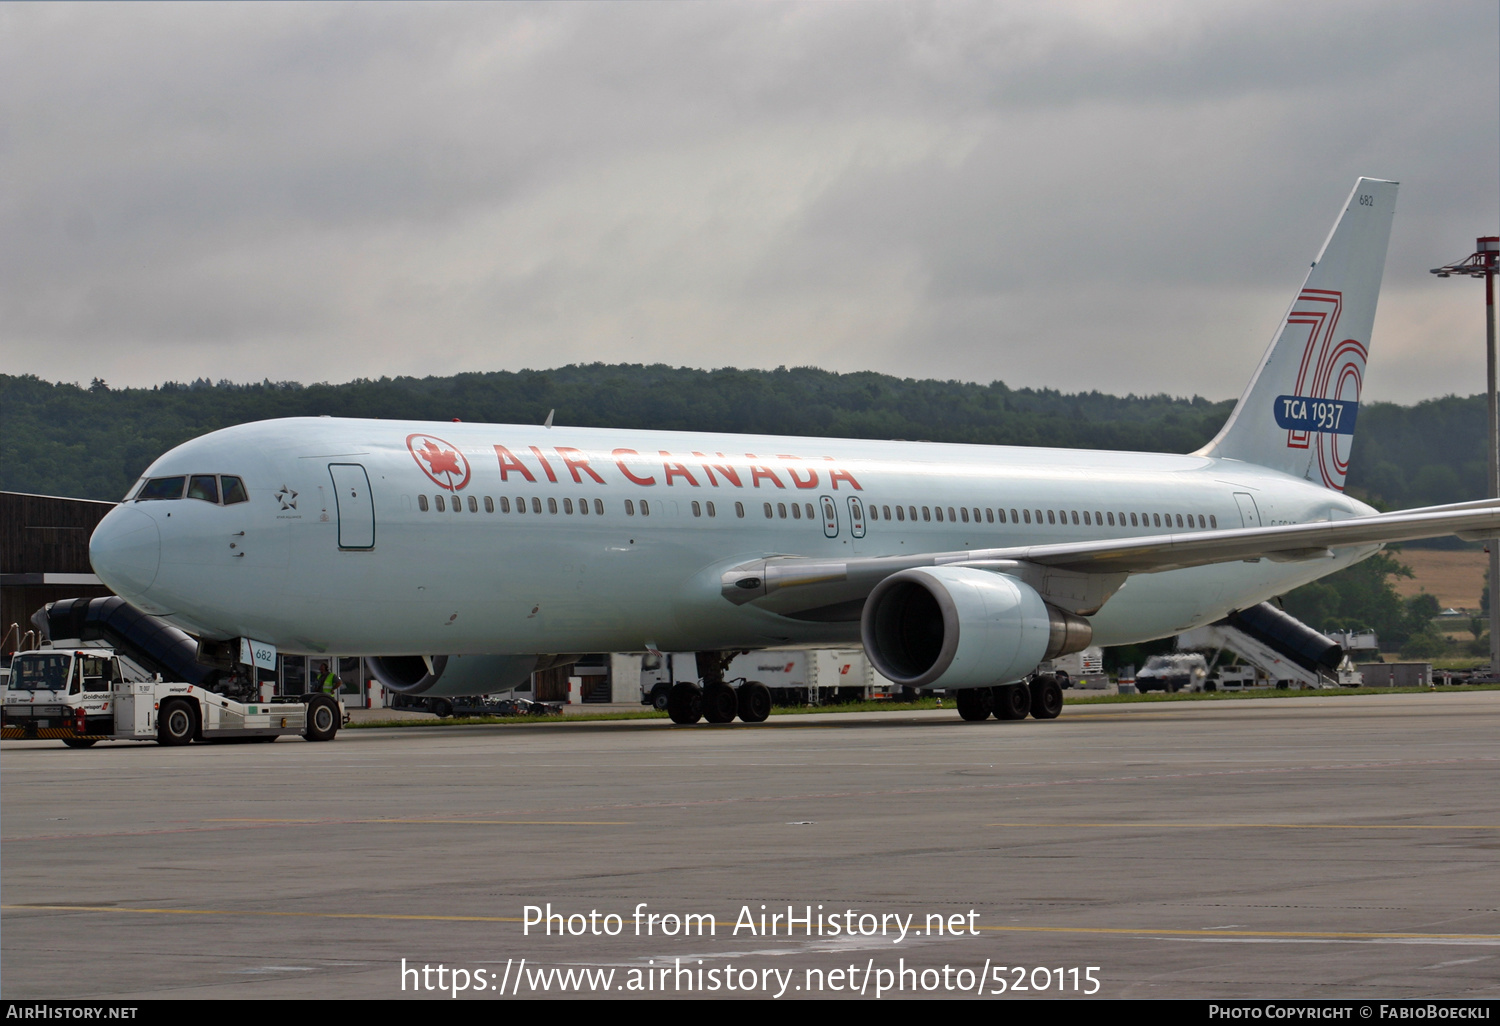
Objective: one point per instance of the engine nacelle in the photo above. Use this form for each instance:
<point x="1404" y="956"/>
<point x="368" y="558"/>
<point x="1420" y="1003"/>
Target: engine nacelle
<point x="450" y="676"/>
<point x="959" y="627"/>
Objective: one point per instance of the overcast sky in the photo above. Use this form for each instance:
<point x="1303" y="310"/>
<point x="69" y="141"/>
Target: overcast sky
<point x="1121" y="196"/>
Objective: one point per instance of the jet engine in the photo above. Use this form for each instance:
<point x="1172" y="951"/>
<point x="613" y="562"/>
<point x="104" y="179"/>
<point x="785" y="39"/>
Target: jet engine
<point x="449" y="676"/>
<point x="959" y="627"/>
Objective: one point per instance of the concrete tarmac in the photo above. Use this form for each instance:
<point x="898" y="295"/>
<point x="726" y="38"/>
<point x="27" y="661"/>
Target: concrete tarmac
<point x="1323" y="847"/>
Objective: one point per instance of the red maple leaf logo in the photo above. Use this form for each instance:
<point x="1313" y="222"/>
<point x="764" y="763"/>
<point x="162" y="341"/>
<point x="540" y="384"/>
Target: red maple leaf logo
<point x="439" y="460"/>
<point x="442" y="461"/>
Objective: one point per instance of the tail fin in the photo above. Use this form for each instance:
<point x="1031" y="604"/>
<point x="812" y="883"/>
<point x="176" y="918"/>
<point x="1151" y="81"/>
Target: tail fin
<point x="1298" y="413"/>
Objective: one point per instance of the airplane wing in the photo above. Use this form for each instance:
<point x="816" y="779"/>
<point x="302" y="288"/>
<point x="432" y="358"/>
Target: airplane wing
<point x="1080" y="576"/>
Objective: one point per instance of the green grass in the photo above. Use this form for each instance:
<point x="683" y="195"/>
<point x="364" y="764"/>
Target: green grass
<point x="1071" y="698"/>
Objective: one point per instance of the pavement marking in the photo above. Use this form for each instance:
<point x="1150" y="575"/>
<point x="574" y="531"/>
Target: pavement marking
<point x="1093" y="930"/>
<point x="1274" y="826"/>
<point x="438" y="822"/>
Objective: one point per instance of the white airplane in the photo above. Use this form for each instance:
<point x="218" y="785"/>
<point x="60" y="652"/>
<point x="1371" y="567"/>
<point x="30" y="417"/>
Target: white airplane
<point x="466" y="556"/>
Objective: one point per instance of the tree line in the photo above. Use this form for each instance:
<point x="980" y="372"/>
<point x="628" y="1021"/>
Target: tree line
<point x="93" y="442"/>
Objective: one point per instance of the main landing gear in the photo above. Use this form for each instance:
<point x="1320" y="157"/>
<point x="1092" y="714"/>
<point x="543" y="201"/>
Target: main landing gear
<point x="1041" y="699"/>
<point x="715" y="700"/>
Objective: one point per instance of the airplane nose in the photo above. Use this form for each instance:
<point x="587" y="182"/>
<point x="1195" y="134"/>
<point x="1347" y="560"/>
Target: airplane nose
<point x="125" y="550"/>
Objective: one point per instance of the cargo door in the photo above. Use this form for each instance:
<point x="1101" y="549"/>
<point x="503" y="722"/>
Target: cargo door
<point x="356" y="509"/>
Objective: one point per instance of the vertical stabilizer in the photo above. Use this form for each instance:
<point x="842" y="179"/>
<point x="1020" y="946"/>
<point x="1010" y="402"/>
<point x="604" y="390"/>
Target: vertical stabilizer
<point x="1299" y="411"/>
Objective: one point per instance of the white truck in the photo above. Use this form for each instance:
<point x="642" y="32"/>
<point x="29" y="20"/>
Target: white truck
<point x="794" y="676"/>
<point x="81" y="696"/>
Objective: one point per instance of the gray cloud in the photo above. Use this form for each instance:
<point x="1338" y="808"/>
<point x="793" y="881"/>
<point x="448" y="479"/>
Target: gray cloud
<point x="1074" y="196"/>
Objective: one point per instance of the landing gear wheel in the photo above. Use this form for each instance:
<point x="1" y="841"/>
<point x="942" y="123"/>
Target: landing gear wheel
<point x="1046" y="697"/>
<point x="1012" y="701"/>
<point x="322" y="718"/>
<point x="440" y="707"/>
<point x="176" y="724"/>
<point x="685" y="702"/>
<point x="79" y="742"/>
<point x="755" y="702"/>
<point x="975" y="703"/>
<point x="720" y="705"/>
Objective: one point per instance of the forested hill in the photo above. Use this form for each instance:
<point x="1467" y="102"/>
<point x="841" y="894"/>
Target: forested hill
<point x="60" y="439"/>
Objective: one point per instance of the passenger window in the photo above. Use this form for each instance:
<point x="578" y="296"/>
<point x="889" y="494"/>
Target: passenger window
<point x="473" y="504"/>
<point x="926" y="514"/>
<point x="781" y="510"/>
<point x="234" y="490"/>
<point x="965" y="517"/>
<point x="989" y="515"/>
<point x="437" y="501"/>
<point x="598" y="507"/>
<point x="458" y="504"/>
<point x="567" y="506"/>
<point x="1027" y="512"/>
<point x="1213" y="521"/>
<point x="697" y="508"/>
<point x="629" y="508"/>
<point x="1098" y="519"/>
<point x="796" y="512"/>
<point x="162" y="488"/>
<point x="739" y="510"/>
<point x="645" y="508"/>
<point x="1201" y="521"/>
<point x="901" y="514"/>
<point x="711" y="511"/>
<point x="940" y="514"/>
<point x="489" y="504"/>
<point x="808" y="506"/>
<point x="504" y="504"/>
<point x="1075" y="518"/>
<point x="583" y="506"/>
<point x="1132" y="520"/>
<point x="951" y="517"/>
<point x="536" y="504"/>
<point x="1179" y="520"/>
<point x="422" y="503"/>
<point x="976" y="516"/>
<point x="1111" y="520"/>
<point x="769" y="514"/>
<point x="1157" y="518"/>
<point x="520" y="504"/>
<point x="874" y="512"/>
<point x="1086" y="521"/>
<point x="1038" y="516"/>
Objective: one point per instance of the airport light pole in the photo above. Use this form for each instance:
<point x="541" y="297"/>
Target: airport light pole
<point x="1483" y="263"/>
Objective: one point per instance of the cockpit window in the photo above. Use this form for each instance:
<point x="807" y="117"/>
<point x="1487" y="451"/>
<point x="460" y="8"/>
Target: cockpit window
<point x="133" y="489"/>
<point x="234" y="491"/>
<point x="162" y="488"/>
<point x="205" y="487"/>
